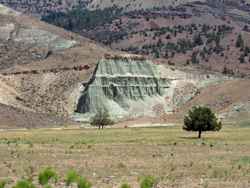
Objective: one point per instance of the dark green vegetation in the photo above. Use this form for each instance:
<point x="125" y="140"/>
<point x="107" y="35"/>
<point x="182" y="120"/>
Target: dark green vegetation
<point x="211" y="36"/>
<point x="79" y="19"/>
<point x="201" y="119"/>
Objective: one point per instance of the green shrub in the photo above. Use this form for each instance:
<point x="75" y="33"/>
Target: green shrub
<point x="46" y="175"/>
<point x="83" y="183"/>
<point x="125" y="185"/>
<point x="71" y="177"/>
<point x="2" y="184"/>
<point x="24" y="184"/>
<point x="47" y="186"/>
<point x="148" y="182"/>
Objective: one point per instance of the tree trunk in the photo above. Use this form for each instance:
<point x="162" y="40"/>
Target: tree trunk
<point x="199" y="134"/>
<point x="99" y="127"/>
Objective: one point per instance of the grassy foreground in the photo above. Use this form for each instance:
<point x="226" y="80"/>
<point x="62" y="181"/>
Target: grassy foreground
<point x="111" y="157"/>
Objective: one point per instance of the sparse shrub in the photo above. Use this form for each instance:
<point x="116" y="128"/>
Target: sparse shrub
<point x="125" y="185"/>
<point x="148" y="182"/>
<point x="83" y="183"/>
<point x="71" y="177"/>
<point x="46" y="175"/>
<point x="101" y="119"/>
<point x="201" y="119"/>
<point x="24" y="184"/>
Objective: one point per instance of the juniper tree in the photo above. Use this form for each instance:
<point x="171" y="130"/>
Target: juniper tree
<point x="201" y="119"/>
<point x="239" y="42"/>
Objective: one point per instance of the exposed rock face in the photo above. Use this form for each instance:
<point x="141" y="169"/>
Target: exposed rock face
<point x="22" y="43"/>
<point x="43" y="39"/>
<point x="125" y="87"/>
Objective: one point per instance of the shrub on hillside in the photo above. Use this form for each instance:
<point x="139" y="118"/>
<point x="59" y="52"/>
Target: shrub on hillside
<point x="2" y="184"/>
<point x="46" y="175"/>
<point x="83" y="183"/>
<point x="24" y="184"/>
<point x="71" y="177"/>
<point x="148" y="182"/>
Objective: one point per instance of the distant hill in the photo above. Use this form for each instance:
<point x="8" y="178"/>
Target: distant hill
<point x="44" y="69"/>
<point x="181" y="32"/>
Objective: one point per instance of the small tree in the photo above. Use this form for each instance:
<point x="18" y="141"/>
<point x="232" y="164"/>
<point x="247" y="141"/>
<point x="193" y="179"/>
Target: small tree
<point x="239" y="41"/>
<point x="101" y="119"/>
<point x="201" y="119"/>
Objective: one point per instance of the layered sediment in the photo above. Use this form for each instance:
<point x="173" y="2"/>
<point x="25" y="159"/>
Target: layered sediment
<point x="125" y="86"/>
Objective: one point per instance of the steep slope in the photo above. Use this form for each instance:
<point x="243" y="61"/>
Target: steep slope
<point x="230" y="99"/>
<point x="125" y="86"/>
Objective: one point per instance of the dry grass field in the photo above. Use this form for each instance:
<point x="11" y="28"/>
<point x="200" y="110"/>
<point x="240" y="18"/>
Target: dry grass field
<point x="114" y="156"/>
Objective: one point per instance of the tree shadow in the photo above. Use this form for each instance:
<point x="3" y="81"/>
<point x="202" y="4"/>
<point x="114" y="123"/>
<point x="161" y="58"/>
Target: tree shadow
<point x="190" y="137"/>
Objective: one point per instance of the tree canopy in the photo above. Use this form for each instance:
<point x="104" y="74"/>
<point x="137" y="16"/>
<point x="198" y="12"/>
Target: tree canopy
<point x="201" y="119"/>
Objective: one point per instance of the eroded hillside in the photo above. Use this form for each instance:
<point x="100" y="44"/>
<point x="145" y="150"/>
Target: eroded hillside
<point x="41" y="65"/>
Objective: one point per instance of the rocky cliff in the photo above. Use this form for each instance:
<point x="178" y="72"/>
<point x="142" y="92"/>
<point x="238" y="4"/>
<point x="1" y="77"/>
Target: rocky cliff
<point x="125" y="86"/>
<point x="131" y="86"/>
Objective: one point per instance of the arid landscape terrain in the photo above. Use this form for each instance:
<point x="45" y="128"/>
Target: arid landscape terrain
<point x="146" y="63"/>
<point x="115" y="156"/>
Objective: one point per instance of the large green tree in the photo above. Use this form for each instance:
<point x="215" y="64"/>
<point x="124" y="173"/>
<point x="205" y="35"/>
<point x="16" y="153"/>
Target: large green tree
<point x="201" y="119"/>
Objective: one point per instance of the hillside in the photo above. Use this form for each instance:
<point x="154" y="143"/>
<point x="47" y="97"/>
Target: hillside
<point x="181" y="32"/>
<point x="40" y="66"/>
<point x="48" y="74"/>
